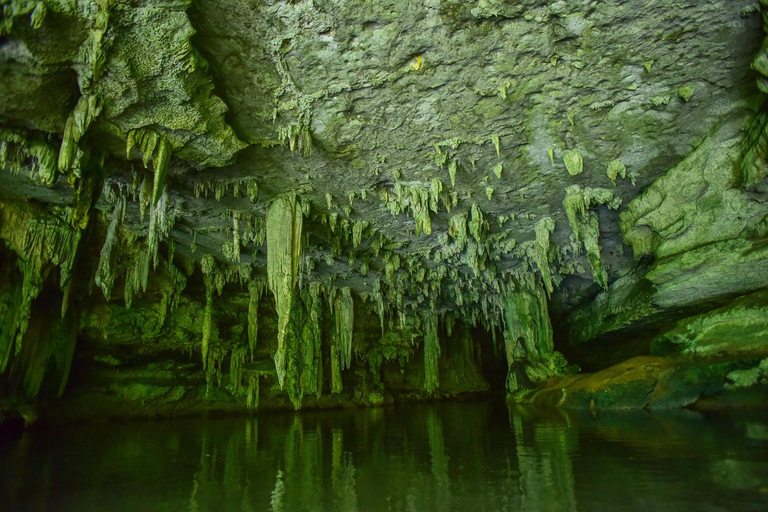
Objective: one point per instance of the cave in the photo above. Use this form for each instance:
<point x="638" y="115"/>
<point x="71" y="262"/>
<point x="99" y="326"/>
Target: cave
<point x="271" y="250"/>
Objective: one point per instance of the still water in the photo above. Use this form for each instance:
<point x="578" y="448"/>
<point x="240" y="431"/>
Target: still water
<point x="459" y="456"/>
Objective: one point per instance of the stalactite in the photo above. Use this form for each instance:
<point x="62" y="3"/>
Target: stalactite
<point x="17" y="146"/>
<point x="573" y="162"/>
<point x="87" y="184"/>
<point x="357" y="232"/>
<point x="284" y="248"/>
<point x="236" y="369"/>
<point x="160" y="224"/>
<point x="208" y="266"/>
<point x="160" y="164"/>
<point x="543" y="228"/>
<point x="155" y="148"/>
<point x="106" y="272"/>
<point x="379" y="303"/>
<point x="476" y="224"/>
<point x="41" y="238"/>
<point x="252" y="400"/>
<point x="452" y="168"/>
<point x="344" y="321"/>
<point x="336" y="381"/>
<point x="255" y="291"/>
<point x="431" y="353"/>
<point x="144" y="196"/>
<point x="87" y="109"/>
<point x="236" y="235"/>
<point x="316" y="319"/>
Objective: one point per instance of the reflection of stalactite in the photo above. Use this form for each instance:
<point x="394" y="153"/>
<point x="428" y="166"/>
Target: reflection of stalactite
<point x="439" y="459"/>
<point x="342" y="474"/>
<point x="278" y="493"/>
<point x="199" y="474"/>
<point x="544" y="452"/>
<point x="303" y="467"/>
<point x="252" y="437"/>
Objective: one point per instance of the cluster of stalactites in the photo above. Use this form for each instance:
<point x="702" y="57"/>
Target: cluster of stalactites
<point x="17" y="147"/>
<point x="155" y="148"/>
<point x="220" y="187"/>
<point x="284" y="251"/>
<point x="83" y="165"/>
<point x="304" y="362"/>
<point x="420" y="200"/>
<point x="124" y="254"/>
<point x="41" y="239"/>
<point x="585" y="224"/>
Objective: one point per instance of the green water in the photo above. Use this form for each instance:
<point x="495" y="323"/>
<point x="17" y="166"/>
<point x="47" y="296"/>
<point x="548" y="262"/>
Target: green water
<point x="460" y="456"/>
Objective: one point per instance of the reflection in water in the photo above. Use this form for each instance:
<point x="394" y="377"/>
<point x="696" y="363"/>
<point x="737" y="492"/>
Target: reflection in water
<point x="544" y="452"/>
<point x="422" y="457"/>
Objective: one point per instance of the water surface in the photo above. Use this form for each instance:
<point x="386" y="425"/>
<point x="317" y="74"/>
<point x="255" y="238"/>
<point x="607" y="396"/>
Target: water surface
<point x="459" y="456"/>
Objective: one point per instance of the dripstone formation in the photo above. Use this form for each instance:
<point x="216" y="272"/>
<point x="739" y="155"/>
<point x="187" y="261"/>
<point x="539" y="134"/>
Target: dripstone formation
<point x="229" y="206"/>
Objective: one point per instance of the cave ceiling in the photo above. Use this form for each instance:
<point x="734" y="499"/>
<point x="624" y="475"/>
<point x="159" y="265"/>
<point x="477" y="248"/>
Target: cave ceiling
<point x="391" y="121"/>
